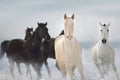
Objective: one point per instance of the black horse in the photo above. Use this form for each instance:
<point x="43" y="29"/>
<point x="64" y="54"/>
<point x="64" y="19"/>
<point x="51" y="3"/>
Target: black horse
<point x="27" y="51"/>
<point x="29" y="32"/>
<point x="47" y="48"/>
<point x="28" y="35"/>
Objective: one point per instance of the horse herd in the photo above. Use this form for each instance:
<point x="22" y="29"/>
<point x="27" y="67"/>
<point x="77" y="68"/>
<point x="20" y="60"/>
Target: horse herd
<point x="38" y="46"/>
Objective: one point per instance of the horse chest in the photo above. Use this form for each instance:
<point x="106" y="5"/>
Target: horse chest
<point x="105" y="53"/>
<point x="72" y="49"/>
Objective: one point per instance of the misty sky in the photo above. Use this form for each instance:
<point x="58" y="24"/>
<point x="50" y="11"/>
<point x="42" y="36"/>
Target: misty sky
<point x="16" y="15"/>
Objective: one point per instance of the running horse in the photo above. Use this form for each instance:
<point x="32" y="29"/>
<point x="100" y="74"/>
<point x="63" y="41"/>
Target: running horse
<point x="29" y="32"/>
<point x="28" y="52"/>
<point x="103" y="53"/>
<point x="68" y="51"/>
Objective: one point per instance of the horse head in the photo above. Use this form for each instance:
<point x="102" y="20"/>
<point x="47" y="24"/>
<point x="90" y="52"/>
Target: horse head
<point x="29" y="33"/>
<point x="29" y="30"/>
<point x="104" y="32"/>
<point x="69" y="26"/>
<point x="42" y="31"/>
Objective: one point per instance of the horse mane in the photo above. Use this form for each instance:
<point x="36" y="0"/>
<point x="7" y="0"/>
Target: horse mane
<point x="62" y="33"/>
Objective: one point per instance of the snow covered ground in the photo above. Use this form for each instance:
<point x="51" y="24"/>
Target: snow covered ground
<point x="90" y="69"/>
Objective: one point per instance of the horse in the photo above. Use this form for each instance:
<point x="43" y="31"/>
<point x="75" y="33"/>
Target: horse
<point x="103" y="53"/>
<point x="27" y="51"/>
<point x="68" y="51"/>
<point x="29" y="32"/>
<point x="47" y="48"/>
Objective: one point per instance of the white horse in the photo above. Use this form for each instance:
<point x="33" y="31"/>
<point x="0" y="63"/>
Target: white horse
<point x="68" y="52"/>
<point x="103" y="54"/>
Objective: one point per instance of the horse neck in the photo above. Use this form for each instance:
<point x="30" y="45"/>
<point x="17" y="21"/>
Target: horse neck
<point x="36" y="39"/>
<point x="27" y="36"/>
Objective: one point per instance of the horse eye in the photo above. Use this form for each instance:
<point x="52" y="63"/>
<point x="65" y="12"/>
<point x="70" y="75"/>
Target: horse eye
<point x="107" y="30"/>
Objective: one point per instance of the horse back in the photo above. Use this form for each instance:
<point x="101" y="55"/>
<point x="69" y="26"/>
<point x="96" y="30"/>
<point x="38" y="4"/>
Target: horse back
<point x="15" y="44"/>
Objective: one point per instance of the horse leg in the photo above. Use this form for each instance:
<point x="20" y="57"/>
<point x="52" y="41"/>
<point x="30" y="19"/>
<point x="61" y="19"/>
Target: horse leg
<point x="62" y="69"/>
<point x="105" y="70"/>
<point x="48" y="70"/>
<point x="11" y="67"/>
<point x="70" y="70"/>
<point x="18" y="66"/>
<point x="37" y="69"/>
<point x="81" y="71"/>
<point x="115" y="70"/>
<point x="57" y="66"/>
<point x="28" y="70"/>
<point x="98" y="66"/>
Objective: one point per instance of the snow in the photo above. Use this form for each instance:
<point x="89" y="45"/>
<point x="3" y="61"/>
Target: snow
<point x="90" y="69"/>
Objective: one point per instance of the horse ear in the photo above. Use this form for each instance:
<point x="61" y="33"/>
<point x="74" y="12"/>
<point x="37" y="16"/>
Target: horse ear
<point x="46" y="23"/>
<point x="65" y="16"/>
<point x="73" y="16"/>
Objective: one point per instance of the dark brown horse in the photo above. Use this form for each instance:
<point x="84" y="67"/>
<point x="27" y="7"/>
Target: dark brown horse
<point x="47" y="49"/>
<point x="29" y="32"/>
<point x="21" y="51"/>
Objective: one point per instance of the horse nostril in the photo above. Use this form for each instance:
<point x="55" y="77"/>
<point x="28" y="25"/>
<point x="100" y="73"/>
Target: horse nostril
<point x="104" y="41"/>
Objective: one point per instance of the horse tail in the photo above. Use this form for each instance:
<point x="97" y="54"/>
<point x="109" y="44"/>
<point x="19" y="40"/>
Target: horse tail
<point x="3" y="48"/>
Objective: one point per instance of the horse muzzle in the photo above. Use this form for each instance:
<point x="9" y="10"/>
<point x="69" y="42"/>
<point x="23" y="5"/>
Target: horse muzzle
<point x="104" y="41"/>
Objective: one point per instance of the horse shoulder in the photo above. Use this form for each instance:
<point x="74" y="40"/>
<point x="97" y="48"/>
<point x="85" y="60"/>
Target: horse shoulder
<point x="111" y="48"/>
<point x="94" y="52"/>
<point x="58" y="38"/>
<point x="59" y="46"/>
<point x="111" y="51"/>
<point x="78" y="45"/>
